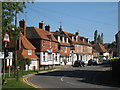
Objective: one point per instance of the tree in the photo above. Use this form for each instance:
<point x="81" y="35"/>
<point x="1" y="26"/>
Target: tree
<point x="98" y="39"/>
<point x="95" y="37"/>
<point x="101" y="38"/>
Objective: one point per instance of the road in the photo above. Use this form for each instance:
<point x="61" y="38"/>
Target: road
<point x="69" y="77"/>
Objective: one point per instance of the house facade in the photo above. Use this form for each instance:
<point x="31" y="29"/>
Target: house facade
<point x="64" y="47"/>
<point x="102" y="52"/>
<point x="26" y="50"/>
<point x="78" y="47"/>
<point x="45" y="43"/>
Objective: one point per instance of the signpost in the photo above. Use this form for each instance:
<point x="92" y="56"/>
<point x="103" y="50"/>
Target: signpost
<point x="6" y="39"/>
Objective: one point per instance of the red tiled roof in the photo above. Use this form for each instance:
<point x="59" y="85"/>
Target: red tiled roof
<point x="26" y="43"/>
<point x="79" y="40"/>
<point x="33" y="56"/>
<point x="61" y="43"/>
<point x="39" y="33"/>
<point x="99" y="48"/>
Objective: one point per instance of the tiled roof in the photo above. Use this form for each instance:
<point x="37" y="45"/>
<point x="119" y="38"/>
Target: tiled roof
<point x="39" y="33"/>
<point x="33" y="56"/>
<point x="61" y="43"/>
<point x="79" y="39"/>
<point x="99" y="48"/>
<point x="26" y="43"/>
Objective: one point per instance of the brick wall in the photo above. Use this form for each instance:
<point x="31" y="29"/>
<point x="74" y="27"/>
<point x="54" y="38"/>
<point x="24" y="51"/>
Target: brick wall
<point x="47" y="44"/>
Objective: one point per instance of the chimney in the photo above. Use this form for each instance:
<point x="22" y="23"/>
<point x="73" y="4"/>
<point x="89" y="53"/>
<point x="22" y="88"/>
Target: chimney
<point x="47" y="28"/>
<point x="77" y="33"/>
<point x="60" y="29"/>
<point x="41" y="25"/>
<point x="22" y="24"/>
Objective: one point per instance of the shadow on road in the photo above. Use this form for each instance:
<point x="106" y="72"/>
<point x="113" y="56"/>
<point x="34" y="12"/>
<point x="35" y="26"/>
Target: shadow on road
<point x="88" y="76"/>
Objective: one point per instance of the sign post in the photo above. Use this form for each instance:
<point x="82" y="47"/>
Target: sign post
<point x="6" y="39"/>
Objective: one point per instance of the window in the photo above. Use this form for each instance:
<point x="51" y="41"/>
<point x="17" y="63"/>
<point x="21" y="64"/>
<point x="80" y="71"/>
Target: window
<point x="76" y="38"/>
<point x="65" y="49"/>
<point x="50" y="44"/>
<point x="72" y="38"/>
<point x="56" y="57"/>
<point x="66" y="40"/>
<point x="29" y="52"/>
<point x="56" y="46"/>
<point x="44" y="56"/>
<point x="44" y="43"/>
<point x="81" y="49"/>
<point x="63" y="39"/>
<point x="58" y="38"/>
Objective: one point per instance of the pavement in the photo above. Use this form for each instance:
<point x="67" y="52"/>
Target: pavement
<point x="69" y="77"/>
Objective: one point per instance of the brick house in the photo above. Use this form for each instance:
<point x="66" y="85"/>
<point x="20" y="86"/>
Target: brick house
<point x="26" y="49"/>
<point x="45" y="43"/>
<point x="78" y="47"/>
<point x="64" y="46"/>
<point x="102" y="52"/>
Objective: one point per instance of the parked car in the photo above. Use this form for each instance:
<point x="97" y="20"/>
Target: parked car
<point x="79" y="63"/>
<point x="92" y="62"/>
<point x="106" y="62"/>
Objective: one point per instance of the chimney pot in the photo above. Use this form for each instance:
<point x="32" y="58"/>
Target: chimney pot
<point x="41" y="25"/>
<point x="22" y="24"/>
<point x="47" y="28"/>
<point x="76" y="33"/>
<point x="60" y="29"/>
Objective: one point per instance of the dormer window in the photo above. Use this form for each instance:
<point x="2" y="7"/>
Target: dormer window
<point x="58" y="38"/>
<point x="83" y="40"/>
<point x="66" y="40"/>
<point x="72" y="38"/>
<point x="63" y="39"/>
<point x="29" y="52"/>
<point x="76" y="38"/>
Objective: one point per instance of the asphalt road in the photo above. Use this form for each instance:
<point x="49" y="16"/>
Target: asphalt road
<point x="69" y="77"/>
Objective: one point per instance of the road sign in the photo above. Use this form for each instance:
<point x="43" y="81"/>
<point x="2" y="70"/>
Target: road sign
<point x="1" y="55"/>
<point x="49" y="50"/>
<point x="6" y="37"/>
<point x="10" y="55"/>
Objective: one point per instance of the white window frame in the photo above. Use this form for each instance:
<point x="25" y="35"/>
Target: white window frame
<point x="66" y="40"/>
<point x="58" y="38"/>
<point x="63" y="39"/>
<point x="72" y="38"/>
<point x="65" y="49"/>
<point x="29" y="52"/>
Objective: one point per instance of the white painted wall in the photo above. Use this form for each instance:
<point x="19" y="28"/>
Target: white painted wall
<point x="33" y="63"/>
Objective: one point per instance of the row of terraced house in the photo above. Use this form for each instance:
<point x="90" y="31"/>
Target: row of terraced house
<point x="44" y="47"/>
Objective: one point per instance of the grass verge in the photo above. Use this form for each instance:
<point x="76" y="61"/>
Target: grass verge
<point x="13" y="83"/>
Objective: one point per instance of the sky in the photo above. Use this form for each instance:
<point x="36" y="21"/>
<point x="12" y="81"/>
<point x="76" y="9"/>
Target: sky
<point x="82" y="17"/>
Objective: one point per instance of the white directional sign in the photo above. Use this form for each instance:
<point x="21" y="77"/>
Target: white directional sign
<point x="6" y="37"/>
<point x="10" y="55"/>
<point x="1" y="55"/>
